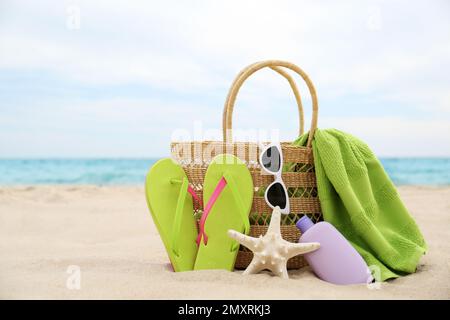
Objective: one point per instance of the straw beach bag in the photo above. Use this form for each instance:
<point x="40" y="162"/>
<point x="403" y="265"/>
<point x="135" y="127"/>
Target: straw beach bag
<point x="298" y="174"/>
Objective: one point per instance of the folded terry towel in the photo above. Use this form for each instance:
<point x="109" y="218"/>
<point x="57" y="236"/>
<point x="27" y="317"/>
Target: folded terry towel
<point x="359" y="199"/>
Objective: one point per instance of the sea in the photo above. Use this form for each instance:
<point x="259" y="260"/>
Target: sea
<point x="402" y="171"/>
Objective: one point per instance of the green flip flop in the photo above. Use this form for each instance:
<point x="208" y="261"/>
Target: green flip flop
<point x="167" y="190"/>
<point x="227" y="195"/>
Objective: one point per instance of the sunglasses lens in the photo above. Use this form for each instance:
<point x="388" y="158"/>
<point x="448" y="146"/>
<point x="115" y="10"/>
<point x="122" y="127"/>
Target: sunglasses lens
<point x="271" y="159"/>
<point x="276" y="195"/>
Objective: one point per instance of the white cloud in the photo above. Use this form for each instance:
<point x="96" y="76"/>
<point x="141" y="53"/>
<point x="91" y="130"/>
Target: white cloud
<point x="395" y="51"/>
<point x="398" y="136"/>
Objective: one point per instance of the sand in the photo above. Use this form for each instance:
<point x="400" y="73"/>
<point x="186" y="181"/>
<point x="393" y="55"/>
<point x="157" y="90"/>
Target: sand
<point x="51" y="234"/>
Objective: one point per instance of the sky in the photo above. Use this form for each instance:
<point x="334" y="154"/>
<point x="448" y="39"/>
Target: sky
<point x="124" y="78"/>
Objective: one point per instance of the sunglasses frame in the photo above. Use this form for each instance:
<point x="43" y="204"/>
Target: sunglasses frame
<point x="277" y="175"/>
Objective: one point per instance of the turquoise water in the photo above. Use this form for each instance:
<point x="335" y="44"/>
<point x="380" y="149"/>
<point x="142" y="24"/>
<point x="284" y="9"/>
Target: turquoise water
<point x="74" y="171"/>
<point x="418" y="171"/>
<point x="403" y="171"/>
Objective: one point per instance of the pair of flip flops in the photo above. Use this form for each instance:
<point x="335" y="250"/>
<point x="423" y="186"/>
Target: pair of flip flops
<point x="227" y="200"/>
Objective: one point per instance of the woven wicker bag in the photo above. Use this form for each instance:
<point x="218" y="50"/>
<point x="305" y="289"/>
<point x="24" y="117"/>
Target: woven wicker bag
<point x="299" y="178"/>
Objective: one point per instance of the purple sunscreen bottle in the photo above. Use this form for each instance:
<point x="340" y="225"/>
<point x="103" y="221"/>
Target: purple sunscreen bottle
<point x="336" y="260"/>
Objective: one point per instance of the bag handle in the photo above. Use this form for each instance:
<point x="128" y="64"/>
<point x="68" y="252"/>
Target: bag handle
<point x="294" y="88"/>
<point x="275" y="65"/>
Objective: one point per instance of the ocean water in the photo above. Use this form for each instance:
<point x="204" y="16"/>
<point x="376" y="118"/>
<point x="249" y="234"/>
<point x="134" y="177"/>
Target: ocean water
<point x="418" y="171"/>
<point x="403" y="171"/>
<point x="74" y="171"/>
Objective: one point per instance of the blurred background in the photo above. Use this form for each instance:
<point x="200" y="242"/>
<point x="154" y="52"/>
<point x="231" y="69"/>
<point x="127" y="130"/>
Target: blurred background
<point x="92" y="92"/>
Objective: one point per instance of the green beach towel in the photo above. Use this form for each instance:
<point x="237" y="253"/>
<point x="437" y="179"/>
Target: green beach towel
<point x="359" y="199"/>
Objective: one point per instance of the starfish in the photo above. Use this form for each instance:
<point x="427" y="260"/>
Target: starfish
<point x="271" y="251"/>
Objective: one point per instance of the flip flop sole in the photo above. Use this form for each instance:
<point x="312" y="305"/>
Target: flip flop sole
<point x="224" y="215"/>
<point x="162" y="188"/>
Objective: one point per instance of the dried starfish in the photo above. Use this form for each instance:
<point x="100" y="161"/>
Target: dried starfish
<point x="271" y="251"/>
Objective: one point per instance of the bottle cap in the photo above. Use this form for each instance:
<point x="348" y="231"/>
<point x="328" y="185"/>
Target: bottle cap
<point x="304" y="224"/>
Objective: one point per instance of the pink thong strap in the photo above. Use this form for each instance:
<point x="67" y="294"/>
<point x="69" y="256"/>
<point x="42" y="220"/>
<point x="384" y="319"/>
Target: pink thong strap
<point x="193" y="194"/>
<point x="222" y="183"/>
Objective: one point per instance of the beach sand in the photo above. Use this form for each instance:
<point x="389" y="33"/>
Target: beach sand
<point x="108" y="233"/>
